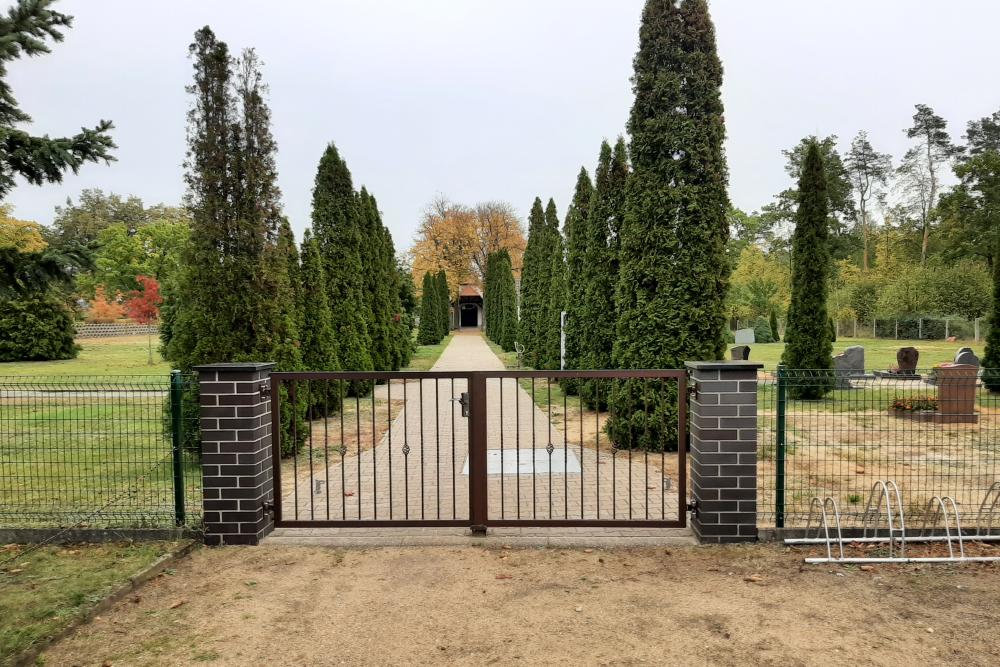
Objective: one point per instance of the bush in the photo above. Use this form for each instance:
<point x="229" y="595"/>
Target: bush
<point x="762" y="331"/>
<point x="36" y="329"/>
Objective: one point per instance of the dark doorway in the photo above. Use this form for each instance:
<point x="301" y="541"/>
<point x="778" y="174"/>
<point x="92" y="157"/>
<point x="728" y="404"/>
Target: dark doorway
<point x="470" y="315"/>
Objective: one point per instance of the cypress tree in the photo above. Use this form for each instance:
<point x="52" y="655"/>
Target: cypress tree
<point x="489" y="297"/>
<point x="600" y="267"/>
<point x="336" y="228"/>
<point x="991" y="354"/>
<point x="577" y="218"/>
<point x="534" y="283"/>
<point x="402" y="338"/>
<point x="444" y="303"/>
<point x="506" y="303"/>
<point x="430" y="312"/>
<point x="319" y="343"/>
<point x="808" y="341"/>
<point x="556" y="303"/>
<point x="673" y="271"/>
<point x="773" y="321"/>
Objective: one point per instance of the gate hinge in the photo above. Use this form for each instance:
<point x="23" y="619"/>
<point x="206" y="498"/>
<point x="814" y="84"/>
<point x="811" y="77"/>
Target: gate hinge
<point x="693" y="507"/>
<point x="692" y="390"/>
<point x="265" y="389"/>
<point x="269" y="509"/>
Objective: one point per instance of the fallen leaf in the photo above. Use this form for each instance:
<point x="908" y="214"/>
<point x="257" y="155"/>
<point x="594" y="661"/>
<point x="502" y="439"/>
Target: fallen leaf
<point x="867" y="568"/>
<point x="753" y="578"/>
<point x="588" y="551"/>
<point x="504" y="576"/>
<point x="348" y="493"/>
<point x="860" y="470"/>
<point x="177" y="604"/>
<point x="579" y="609"/>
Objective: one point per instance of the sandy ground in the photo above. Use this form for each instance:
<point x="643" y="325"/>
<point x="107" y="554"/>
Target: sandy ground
<point x="468" y="605"/>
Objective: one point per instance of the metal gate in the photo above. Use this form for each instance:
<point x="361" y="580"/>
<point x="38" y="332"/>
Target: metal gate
<point x="480" y="449"/>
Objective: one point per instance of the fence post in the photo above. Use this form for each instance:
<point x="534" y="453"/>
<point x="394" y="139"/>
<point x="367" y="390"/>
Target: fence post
<point x="779" y="451"/>
<point x="236" y="462"/>
<point x="177" y="443"/>
<point x="723" y="451"/>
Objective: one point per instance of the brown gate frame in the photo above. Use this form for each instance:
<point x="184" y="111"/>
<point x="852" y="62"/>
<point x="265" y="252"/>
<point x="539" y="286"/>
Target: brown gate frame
<point x="479" y="520"/>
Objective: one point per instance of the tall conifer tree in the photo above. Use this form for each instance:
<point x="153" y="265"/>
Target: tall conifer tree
<point x="808" y="338"/>
<point x="319" y="343"/>
<point x="336" y="224"/>
<point x="577" y="218"/>
<point x="556" y="303"/>
<point x="600" y="267"/>
<point x="430" y="312"/>
<point x="444" y="303"/>
<point x="235" y="300"/>
<point x="378" y="284"/>
<point x="673" y="271"/>
<point x="534" y="283"/>
<point x="506" y="303"/>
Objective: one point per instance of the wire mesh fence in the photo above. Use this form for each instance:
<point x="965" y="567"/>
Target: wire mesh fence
<point x="99" y="452"/>
<point x="935" y="432"/>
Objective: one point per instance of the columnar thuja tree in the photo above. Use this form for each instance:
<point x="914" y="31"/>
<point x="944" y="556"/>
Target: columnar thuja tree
<point x="336" y="225"/>
<point x="600" y="267"/>
<point x="319" y="342"/>
<point x="234" y="301"/>
<point x="808" y="340"/>
<point x="430" y="312"/>
<point x="556" y="303"/>
<point x="444" y="303"/>
<point x="673" y="269"/>
<point x="378" y="286"/>
<point x="505" y="301"/>
<point x="577" y="219"/>
<point x="534" y="283"/>
<point x="991" y="356"/>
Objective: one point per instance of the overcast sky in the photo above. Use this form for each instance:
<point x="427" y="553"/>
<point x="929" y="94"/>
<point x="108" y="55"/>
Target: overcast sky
<point x="493" y="100"/>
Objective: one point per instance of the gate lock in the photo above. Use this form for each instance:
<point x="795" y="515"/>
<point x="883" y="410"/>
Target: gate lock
<point x="463" y="400"/>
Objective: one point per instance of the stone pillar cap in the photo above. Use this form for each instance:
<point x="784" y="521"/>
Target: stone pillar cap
<point x="236" y="366"/>
<point x="723" y="365"/>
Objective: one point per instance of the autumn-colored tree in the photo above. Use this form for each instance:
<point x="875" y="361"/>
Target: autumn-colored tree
<point x="103" y="309"/>
<point x="143" y="306"/>
<point x="459" y="239"/>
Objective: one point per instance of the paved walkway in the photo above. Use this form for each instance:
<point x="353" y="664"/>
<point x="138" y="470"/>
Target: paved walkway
<point x="419" y="470"/>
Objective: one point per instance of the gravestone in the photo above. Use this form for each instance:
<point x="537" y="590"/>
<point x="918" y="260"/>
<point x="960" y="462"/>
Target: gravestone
<point x="740" y="353"/>
<point x="849" y="363"/>
<point x="966" y="357"/>
<point x="906" y="365"/>
<point x="744" y="337"/>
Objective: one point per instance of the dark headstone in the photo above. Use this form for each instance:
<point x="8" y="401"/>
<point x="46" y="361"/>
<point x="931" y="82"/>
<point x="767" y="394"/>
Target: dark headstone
<point x="967" y="357"/>
<point x="740" y="353"/>
<point x="906" y="360"/>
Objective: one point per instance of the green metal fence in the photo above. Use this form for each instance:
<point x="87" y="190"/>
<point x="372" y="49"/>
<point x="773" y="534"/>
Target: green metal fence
<point x="99" y="452"/>
<point x="933" y="435"/>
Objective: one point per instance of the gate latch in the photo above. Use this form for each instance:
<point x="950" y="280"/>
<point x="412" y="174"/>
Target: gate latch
<point x="265" y="389"/>
<point x="463" y="400"/>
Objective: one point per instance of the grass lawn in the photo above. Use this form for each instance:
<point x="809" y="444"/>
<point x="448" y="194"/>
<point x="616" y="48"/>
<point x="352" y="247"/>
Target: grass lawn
<point x="124" y="355"/>
<point x="880" y="354"/>
<point x="44" y="591"/>
<point x="426" y="356"/>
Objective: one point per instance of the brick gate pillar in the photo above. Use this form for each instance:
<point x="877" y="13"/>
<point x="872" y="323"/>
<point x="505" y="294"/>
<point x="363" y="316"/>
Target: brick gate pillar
<point x="236" y="451"/>
<point x="723" y="450"/>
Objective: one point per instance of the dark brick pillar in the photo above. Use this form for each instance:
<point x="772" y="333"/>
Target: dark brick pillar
<point x="723" y="450"/>
<point x="236" y="451"/>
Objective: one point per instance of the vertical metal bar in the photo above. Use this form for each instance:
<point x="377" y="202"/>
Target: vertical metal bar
<point x="276" y="446"/>
<point x="388" y="419"/>
<point x="534" y="474"/>
<point x="357" y="435"/>
<point x="517" y="441"/>
<point x="406" y="455"/>
<point x="566" y="460"/>
<point x="682" y="448"/>
<point x="343" y="452"/>
<point x="597" y="442"/>
<point x="374" y="465"/>
<point x="454" y="505"/>
<point x="420" y="413"/>
<point x="779" y="463"/>
<point x="477" y="452"/>
<point x="295" y="446"/>
<point x="295" y="416"/>
<point x="437" y="443"/>
<point x="326" y="442"/>
<point x="502" y="512"/>
<point x="548" y="434"/>
<point x="177" y="443"/>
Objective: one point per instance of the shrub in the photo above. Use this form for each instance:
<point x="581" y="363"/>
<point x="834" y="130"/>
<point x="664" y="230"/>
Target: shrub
<point x="36" y="329"/>
<point x="762" y="331"/>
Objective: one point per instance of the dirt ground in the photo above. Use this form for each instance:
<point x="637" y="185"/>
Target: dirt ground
<point x="435" y="606"/>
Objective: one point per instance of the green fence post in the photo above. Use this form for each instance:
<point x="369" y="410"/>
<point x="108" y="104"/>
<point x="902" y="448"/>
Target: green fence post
<point x="779" y="453"/>
<point x="177" y="443"/>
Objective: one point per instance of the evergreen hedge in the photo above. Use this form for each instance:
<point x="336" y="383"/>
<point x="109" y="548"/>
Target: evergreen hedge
<point x="535" y="272"/>
<point x="991" y="355"/>
<point x="430" y="313"/>
<point x="577" y="218"/>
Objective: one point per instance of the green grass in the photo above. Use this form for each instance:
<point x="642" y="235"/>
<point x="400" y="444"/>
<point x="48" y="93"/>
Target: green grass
<point x="126" y="355"/>
<point x="43" y="592"/>
<point x="880" y="354"/>
<point x="426" y="356"/>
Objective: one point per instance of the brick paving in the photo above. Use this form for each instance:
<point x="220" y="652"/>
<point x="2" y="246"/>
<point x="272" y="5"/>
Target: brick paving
<point x="416" y="470"/>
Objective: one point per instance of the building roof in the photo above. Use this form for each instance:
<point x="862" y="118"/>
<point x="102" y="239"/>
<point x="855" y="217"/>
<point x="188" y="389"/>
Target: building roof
<point x="468" y="289"/>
